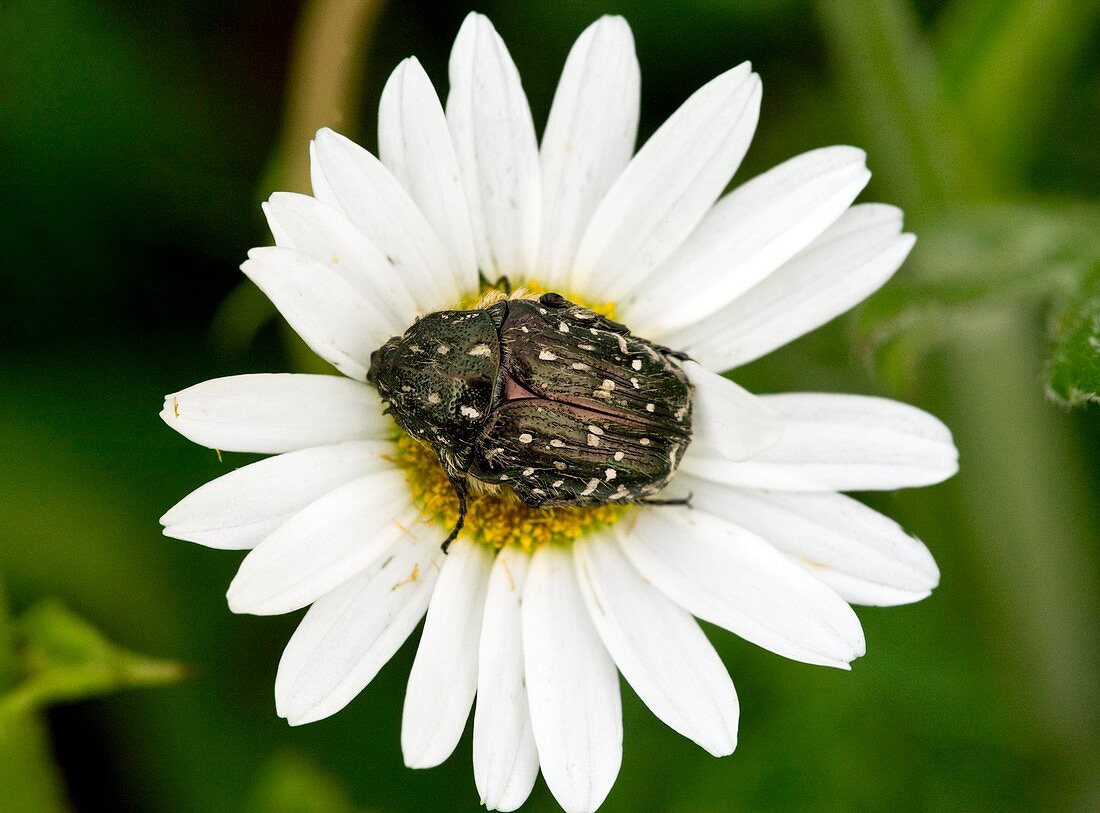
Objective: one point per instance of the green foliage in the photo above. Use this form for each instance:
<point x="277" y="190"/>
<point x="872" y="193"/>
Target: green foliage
<point x="1004" y="67"/>
<point x="1074" y="372"/>
<point x="134" y="136"/>
<point x="971" y="264"/>
<point x="889" y="70"/>
<point x="292" y="783"/>
<point x="952" y="125"/>
<point x="62" y="657"/>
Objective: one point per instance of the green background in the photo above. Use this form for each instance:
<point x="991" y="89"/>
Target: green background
<point x="135" y="140"/>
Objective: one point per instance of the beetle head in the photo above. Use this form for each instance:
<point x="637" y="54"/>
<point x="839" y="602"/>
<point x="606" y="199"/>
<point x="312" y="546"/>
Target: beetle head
<point x="440" y="377"/>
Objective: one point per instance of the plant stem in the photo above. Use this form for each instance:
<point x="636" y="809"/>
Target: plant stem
<point x="28" y="778"/>
<point x="1025" y="500"/>
<point x="326" y="74"/>
<point x="324" y="85"/>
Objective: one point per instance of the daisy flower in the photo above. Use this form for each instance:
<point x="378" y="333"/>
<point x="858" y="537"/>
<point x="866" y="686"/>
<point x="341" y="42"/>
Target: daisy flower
<point x="536" y="610"/>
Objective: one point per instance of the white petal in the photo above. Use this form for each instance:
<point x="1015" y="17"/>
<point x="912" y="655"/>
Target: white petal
<point x="841" y="443"/>
<point x="324" y="233"/>
<point x="865" y="557"/>
<point x="276" y="412"/>
<point x="324" y="309"/>
<point x="852" y="259"/>
<point x="323" y="545"/>
<point x="668" y="187"/>
<point x="238" y="509"/>
<point x="571" y="680"/>
<point x="658" y="647"/>
<point x="506" y="762"/>
<point x="749" y="234"/>
<point x="357" y="183"/>
<point x="730" y="577"/>
<point x="589" y="138"/>
<point x="443" y="679"/>
<point x="726" y="420"/>
<point x="415" y="145"/>
<point x="494" y="139"/>
<point x="349" y="634"/>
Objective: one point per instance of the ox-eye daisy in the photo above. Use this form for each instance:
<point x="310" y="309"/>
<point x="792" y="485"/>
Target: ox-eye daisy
<point x="534" y="611"/>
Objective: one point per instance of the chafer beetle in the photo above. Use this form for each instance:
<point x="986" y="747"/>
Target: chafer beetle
<point x="547" y="397"/>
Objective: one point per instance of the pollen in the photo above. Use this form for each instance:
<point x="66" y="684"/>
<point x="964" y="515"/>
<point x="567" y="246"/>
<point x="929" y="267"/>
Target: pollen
<point x="498" y="518"/>
<point x="533" y="290"/>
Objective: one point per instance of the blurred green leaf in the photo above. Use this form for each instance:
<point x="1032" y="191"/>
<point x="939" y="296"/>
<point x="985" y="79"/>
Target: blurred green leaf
<point x="972" y="262"/>
<point x="888" y="71"/>
<point x="1005" y="64"/>
<point x="1074" y="371"/>
<point x="7" y="643"/>
<point x="27" y="773"/>
<point x="291" y="783"/>
<point x="62" y="657"/>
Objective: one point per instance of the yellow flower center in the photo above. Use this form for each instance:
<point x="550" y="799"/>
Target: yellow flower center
<point x="496" y="518"/>
<point x="495" y="515"/>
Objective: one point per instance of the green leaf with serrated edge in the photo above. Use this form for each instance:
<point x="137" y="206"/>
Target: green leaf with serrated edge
<point x="291" y="783"/>
<point x="61" y="657"/>
<point x="1073" y="375"/>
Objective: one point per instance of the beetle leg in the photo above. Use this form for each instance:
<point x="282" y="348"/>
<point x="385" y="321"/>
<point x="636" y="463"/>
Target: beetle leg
<point x="459" y="485"/>
<point x="665" y="501"/>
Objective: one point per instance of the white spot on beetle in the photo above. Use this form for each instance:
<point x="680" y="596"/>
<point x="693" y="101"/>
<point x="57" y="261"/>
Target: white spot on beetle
<point x="608" y="384"/>
<point x="525" y="437"/>
<point x="433" y="398"/>
<point x="558" y="483"/>
<point x="593" y="440"/>
<point x="644" y="441"/>
<point x="416" y="348"/>
<point x="546" y="355"/>
<point x="636" y="364"/>
<point x="537" y="491"/>
<point x="469" y="412"/>
<point x="443" y="349"/>
<point x="650" y="407"/>
<point x="564" y="328"/>
<point x="559" y="465"/>
<point x="592" y="485"/>
<point x="577" y="365"/>
<point x="595" y="430"/>
<point x="481" y="350"/>
<point x="634" y="383"/>
<point x="589" y="347"/>
<point x="557" y="443"/>
<point x="528" y="472"/>
<point x="619" y="455"/>
<point x="406" y="388"/>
